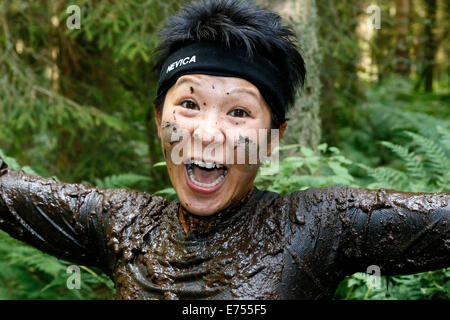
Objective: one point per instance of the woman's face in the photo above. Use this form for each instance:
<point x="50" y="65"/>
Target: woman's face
<point x="209" y="133"/>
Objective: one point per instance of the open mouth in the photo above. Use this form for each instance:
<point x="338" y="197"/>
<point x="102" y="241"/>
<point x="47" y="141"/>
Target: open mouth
<point x="205" y="177"/>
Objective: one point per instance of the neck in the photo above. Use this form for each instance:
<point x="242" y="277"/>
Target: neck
<point x="191" y="222"/>
<point x="194" y="223"/>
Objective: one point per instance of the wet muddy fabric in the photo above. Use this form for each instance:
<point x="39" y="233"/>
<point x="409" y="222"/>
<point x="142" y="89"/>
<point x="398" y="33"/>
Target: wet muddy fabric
<point x="295" y="246"/>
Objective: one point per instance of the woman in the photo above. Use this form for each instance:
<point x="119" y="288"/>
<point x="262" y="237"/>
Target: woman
<point x="228" y="73"/>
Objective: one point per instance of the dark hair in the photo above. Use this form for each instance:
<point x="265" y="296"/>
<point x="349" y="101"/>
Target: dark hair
<point x="236" y="24"/>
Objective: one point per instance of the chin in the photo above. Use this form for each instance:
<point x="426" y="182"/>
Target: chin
<point x="200" y="209"/>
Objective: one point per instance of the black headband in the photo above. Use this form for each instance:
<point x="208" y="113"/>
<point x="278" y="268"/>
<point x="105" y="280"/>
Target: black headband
<point x="211" y="59"/>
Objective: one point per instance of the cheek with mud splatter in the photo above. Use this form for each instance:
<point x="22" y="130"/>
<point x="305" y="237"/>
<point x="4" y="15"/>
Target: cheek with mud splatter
<point x="171" y="136"/>
<point x="246" y="152"/>
<point x="171" y="133"/>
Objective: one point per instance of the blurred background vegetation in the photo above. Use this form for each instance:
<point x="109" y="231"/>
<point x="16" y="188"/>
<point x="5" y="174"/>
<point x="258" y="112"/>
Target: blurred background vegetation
<point x="77" y="105"/>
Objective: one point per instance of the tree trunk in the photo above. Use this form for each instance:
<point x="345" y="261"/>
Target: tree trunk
<point x="342" y="52"/>
<point x="304" y="124"/>
<point x="445" y="39"/>
<point x="402" y="50"/>
<point x="430" y="46"/>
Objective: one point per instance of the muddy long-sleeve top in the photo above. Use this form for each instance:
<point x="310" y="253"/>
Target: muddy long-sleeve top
<point x="269" y="246"/>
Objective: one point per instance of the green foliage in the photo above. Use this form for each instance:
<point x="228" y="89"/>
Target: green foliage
<point x="436" y="161"/>
<point x="421" y="286"/>
<point x="65" y="92"/>
<point x="27" y="273"/>
<point x="308" y="170"/>
<point x="387" y="112"/>
<point x="426" y="169"/>
<point x="126" y="180"/>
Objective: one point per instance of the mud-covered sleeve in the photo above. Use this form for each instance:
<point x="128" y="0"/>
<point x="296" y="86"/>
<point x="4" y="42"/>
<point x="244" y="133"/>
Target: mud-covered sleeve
<point x="75" y="222"/>
<point x="354" y="228"/>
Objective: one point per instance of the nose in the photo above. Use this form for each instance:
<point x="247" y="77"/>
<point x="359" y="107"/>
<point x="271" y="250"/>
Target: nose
<point x="208" y="129"/>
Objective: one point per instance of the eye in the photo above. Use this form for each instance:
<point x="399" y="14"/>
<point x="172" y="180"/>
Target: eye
<point x="239" y="113"/>
<point x="188" y="104"/>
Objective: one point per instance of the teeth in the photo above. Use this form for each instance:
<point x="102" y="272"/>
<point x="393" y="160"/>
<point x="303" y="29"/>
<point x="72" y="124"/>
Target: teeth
<point x="208" y="185"/>
<point x="207" y="165"/>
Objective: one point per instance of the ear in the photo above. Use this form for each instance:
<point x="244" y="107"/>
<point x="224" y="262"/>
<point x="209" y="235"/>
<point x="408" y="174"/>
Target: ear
<point x="282" y="128"/>
<point x="271" y="145"/>
<point x="158" y="117"/>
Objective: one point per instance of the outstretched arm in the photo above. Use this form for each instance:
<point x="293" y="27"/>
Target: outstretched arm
<point x="342" y="230"/>
<point x="346" y="230"/>
<point x="401" y="232"/>
<point x="79" y="223"/>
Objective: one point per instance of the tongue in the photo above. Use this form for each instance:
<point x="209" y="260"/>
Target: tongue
<point x="206" y="175"/>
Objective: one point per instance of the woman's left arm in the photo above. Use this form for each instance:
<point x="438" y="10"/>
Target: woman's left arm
<point x="400" y="232"/>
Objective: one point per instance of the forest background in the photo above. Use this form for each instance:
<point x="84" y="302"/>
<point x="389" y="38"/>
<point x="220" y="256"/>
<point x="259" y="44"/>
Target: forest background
<point x="77" y="105"/>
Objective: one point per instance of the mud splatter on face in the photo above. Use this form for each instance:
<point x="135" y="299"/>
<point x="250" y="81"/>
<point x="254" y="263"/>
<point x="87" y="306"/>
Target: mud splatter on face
<point x="172" y="139"/>
<point x="245" y="141"/>
<point x="247" y="152"/>
<point x="171" y="133"/>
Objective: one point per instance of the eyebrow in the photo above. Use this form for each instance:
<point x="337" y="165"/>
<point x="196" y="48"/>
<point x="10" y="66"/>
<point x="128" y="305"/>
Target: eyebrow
<point x="186" y="80"/>
<point x="245" y="90"/>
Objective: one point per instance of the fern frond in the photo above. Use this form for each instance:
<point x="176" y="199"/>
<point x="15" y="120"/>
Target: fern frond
<point x="34" y="258"/>
<point x="434" y="156"/>
<point x="126" y="180"/>
<point x="414" y="166"/>
<point x="387" y="177"/>
<point x="445" y="137"/>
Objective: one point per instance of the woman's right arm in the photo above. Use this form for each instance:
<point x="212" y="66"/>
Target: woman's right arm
<point x="76" y="222"/>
